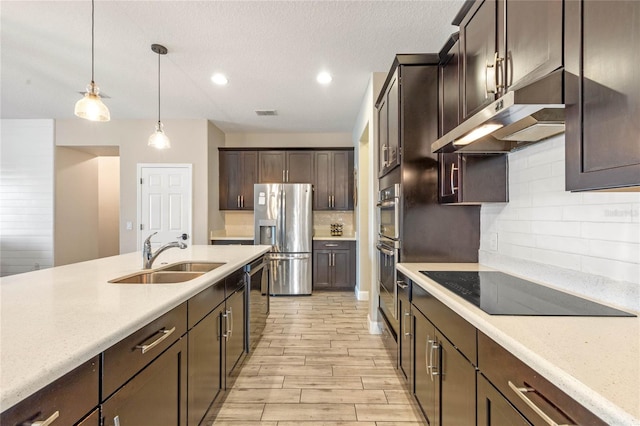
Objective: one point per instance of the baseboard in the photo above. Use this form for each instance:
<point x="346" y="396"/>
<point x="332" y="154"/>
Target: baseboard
<point x="374" y="326"/>
<point x="362" y="295"/>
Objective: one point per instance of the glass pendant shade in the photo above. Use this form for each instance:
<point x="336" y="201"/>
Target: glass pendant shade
<point x="159" y="139"/>
<point x="91" y="107"/>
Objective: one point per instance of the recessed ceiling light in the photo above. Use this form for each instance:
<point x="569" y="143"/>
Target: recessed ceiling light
<point x="324" y="78"/>
<point x="219" y="79"/>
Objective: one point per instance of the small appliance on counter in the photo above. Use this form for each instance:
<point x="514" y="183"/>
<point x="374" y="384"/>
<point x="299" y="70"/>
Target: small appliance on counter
<point x="283" y="219"/>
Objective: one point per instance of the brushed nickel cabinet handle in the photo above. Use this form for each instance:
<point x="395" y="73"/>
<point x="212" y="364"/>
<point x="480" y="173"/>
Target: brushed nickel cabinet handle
<point x="238" y="201"/>
<point x="287" y="175"/>
<point x="331" y="245"/>
<point x="402" y="284"/>
<point x="163" y="335"/>
<point x="427" y="357"/>
<point x="52" y="418"/>
<point x="521" y="394"/>
<point x="452" y="174"/>
<point x="434" y="349"/>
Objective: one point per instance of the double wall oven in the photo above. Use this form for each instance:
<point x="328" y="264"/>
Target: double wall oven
<point x="388" y="248"/>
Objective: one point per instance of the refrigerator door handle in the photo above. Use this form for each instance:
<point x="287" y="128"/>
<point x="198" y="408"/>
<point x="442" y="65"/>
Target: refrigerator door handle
<point x="289" y="256"/>
<point x="283" y="215"/>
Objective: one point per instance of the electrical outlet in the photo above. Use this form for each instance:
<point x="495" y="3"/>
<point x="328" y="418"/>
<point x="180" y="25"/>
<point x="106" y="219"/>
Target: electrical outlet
<point x="493" y="241"/>
<point x="129" y="226"/>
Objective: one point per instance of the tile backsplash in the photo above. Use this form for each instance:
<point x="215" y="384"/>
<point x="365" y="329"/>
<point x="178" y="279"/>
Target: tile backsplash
<point x="587" y="242"/>
<point x="241" y="223"/>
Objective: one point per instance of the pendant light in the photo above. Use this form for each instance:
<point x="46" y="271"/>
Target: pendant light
<point x="91" y="106"/>
<point x="158" y="139"/>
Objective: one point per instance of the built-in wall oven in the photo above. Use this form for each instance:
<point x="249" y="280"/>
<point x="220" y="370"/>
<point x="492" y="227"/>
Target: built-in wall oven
<point x="388" y="248"/>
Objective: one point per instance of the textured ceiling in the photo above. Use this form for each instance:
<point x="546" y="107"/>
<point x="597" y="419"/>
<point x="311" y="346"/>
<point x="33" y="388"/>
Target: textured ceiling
<point x="270" y="51"/>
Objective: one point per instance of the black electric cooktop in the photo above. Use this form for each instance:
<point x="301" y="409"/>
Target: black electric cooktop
<point x="498" y="293"/>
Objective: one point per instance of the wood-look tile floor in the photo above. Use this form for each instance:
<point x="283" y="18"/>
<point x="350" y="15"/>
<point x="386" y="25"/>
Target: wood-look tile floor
<point x="317" y="364"/>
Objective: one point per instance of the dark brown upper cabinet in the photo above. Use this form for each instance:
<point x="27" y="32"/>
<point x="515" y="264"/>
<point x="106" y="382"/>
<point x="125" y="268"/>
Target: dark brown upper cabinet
<point x="286" y="166"/>
<point x="388" y="128"/>
<point x="602" y="91"/>
<point x="238" y="172"/>
<point x="333" y="180"/>
<point x="507" y="44"/>
<point x="473" y="179"/>
<point x="449" y="86"/>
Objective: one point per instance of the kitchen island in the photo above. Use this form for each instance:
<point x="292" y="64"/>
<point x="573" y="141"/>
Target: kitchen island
<point x="594" y="360"/>
<point x="53" y="320"/>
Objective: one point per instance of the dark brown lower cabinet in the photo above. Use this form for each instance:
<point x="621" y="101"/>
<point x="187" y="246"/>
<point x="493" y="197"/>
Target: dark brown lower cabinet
<point x="334" y="265"/>
<point x="205" y="364"/>
<point x="234" y="333"/>
<point x="155" y="396"/>
<point x="494" y="409"/>
<point x="65" y="401"/>
<point x="92" y="419"/>
<point x="445" y="381"/>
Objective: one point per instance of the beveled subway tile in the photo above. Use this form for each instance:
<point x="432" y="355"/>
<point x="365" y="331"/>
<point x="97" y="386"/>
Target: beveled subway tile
<point x="276" y="360"/>
<point x="295" y="370"/>
<point x="317" y="382"/>
<point x="306" y="412"/>
<point x="259" y="382"/>
<point x="339" y="360"/>
<point x="382" y="382"/>
<point x="275" y="396"/>
<point x="398" y="396"/>
<point x="388" y="413"/>
<point x="363" y="371"/>
<point x="342" y="396"/>
<point x="240" y="412"/>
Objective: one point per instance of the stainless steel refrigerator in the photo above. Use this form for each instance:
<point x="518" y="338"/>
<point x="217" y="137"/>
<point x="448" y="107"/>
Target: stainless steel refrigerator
<point x="283" y="219"/>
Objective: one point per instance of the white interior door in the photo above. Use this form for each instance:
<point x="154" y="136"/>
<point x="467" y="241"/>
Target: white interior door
<point x="164" y="203"/>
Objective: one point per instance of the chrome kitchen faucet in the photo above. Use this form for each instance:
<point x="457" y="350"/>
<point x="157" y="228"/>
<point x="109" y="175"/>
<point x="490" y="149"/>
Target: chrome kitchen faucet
<point x="148" y="257"/>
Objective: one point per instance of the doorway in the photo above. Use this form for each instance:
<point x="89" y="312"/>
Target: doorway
<point x="164" y="203"/>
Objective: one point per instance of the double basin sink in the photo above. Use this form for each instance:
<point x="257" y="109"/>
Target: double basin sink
<point x="171" y="274"/>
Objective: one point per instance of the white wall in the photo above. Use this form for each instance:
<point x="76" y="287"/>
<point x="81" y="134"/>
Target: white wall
<point x="108" y="206"/>
<point x="216" y="139"/>
<point x="364" y="138"/>
<point x="587" y="242"/>
<point x="288" y="140"/>
<point x="26" y="195"/>
<point x="189" y="144"/>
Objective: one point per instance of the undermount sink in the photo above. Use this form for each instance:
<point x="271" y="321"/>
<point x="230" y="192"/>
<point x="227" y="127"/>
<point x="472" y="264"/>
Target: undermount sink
<point x="192" y="266"/>
<point x="171" y="274"/>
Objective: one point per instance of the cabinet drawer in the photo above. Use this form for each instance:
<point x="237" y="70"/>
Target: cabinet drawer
<point x="72" y="396"/>
<point x="204" y="302"/>
<point x="453" y="326"/>
<point x="234" y="282"/>
<point x="331" y="245"/>
<point x="505" y="372"/>
<point x="124" y="359"/>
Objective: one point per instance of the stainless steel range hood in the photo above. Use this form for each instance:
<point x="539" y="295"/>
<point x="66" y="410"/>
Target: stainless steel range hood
<point x="519" y="118"/>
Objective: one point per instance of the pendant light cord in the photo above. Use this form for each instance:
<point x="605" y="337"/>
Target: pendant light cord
<point x="158" y="88"/>
<point x="92" y="37"/>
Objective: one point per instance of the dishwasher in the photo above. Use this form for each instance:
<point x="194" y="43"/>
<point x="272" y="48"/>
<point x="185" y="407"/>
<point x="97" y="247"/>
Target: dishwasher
<point x="257" y="300"/>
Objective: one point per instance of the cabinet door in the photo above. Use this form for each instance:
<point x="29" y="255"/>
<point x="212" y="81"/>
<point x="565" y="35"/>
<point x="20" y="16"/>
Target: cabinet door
<point x="321" y="269"/>
<point x="249" y="178"/>
<point x="383" y="137"/>
<point x="299" y="167"/>
<point x="92" y="419"/>
<point x="393" y="104"/>
<point x="235" y="327"/>
<point x="405" y="333"/>
<point x="205" y="378"/>
<point x="450" y="90"/>
<point x="602" y="95"/>
<point x="457" y="386"/>
<point x="533" y="40"/>
<point x="323" y="180"/>
<point x="272" y="166"/>
<point x="155" y="396"/>
<point x="231" y="179"/>
<point x="343" y="180"/>
<point x="494" y="409"/>
<point x="425" y="384"/>
<point x="341" y="269"/>
<point x="479" y="46"/>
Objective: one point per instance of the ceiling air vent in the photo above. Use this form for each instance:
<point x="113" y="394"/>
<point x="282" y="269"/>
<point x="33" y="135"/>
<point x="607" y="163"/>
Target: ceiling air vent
<point x="266" y="112"/>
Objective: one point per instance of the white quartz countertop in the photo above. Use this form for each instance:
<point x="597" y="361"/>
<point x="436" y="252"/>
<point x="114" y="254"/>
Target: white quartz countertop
<point x="53" y="320"/>
<point x="329" y="237"/>
<point x="595" y="360"/>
